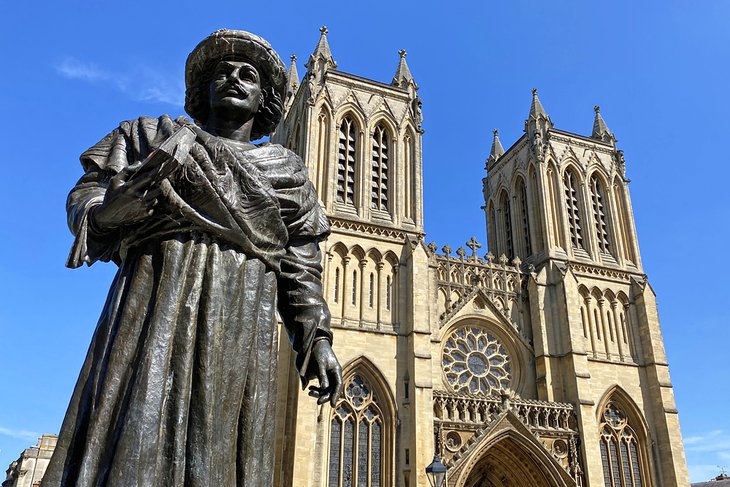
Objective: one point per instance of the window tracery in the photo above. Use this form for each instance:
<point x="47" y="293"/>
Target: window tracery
<point x="599" y="215"/>
<point x="507" y="225"/>
<point x="620" y="450"/>
<point x="356" y="437"/>
<point x="381" y="147"/>
<point x="572" y="206"/>
<point x="476" y="362"/>
<point x="524" y="218"/>
<point x="346" y="154"/>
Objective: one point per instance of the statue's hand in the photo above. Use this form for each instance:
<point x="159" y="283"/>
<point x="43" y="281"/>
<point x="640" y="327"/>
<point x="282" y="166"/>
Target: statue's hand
<point x="328" y="372"/>
<point x="125" y="202"/>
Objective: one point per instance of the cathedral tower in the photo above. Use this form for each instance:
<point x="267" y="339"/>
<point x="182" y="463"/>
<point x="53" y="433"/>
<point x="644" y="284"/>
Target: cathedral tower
<point x="361" y="141"/>
<point x="538" y="361"/>
<point x="560" y="202"/>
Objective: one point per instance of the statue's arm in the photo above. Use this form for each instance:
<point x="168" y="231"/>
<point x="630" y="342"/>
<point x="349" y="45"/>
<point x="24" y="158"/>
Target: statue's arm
<point x="307" y="319"/>
<point x="301" y="305"/>
<point x="90" y="244"/>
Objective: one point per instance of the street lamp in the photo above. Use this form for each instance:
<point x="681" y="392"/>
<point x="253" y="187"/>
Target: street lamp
<point x="436" y="472"/>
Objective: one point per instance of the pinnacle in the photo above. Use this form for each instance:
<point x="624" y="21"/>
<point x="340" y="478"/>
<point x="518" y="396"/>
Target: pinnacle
<point x="536" y="108"/>
<point x="322" y="51"/>
<point x="293" y="76"/>
<point x="600" y="129"/>
<point x="403" y="74"/>
<point x="496" y="151"/>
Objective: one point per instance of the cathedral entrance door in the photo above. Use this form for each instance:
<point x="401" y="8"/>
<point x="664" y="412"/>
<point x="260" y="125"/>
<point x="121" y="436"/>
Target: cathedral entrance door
<point x="509" y="464"/>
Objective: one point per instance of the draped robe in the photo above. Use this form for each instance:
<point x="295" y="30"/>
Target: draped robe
<point x="178" y="386"/>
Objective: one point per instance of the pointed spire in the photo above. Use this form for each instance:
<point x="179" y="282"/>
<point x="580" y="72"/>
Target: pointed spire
<point x="537" y="126"/>
<point x="322" y="52"/>
<point x="293" y="76"/>
<point x="536" y="109"/>
<point x="600" y="129"/>
<point x="402" y="75"/>
<point x="497" y="150"/>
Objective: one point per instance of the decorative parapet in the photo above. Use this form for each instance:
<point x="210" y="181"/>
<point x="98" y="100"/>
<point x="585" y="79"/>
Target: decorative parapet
<point x="540" y="416"/>
<point x="600" y="272"/>
<point x="461" y="277"/>
<point x="463" y="419"/>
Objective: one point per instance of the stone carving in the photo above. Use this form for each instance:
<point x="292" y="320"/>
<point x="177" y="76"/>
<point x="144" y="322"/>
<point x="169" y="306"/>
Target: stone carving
<point x="208" y="229"/>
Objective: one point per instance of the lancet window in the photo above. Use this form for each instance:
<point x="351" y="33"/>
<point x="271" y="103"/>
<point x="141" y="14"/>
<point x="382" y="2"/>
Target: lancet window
<point x="357" y="427"/>
<point x="380" y="163"/>
<point x="346" y="157"/>
<point x="599" y="215"/>
<point x="572" y="206"/>
<point x="621" y="452"/>
<point x="524" y="218"/>
<point x="507" y="225"/>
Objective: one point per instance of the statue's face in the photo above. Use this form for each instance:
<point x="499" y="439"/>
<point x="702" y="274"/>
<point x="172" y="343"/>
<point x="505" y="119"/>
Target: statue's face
<point x="235" y="90"/>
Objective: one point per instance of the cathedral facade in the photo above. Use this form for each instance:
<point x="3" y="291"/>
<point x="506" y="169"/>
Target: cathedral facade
<point x="538" y="361"/>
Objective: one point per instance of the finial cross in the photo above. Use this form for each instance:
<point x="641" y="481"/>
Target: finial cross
<point x="323" y="30"/>
<point x="402" y="53"/>
<point x="473" y="245"/>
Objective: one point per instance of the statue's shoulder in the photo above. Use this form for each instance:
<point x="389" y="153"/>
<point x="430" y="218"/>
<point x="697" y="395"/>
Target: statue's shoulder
<point x="282" y="166"/>
<point x="275" y="150"/>
<point x="130" y="140"/>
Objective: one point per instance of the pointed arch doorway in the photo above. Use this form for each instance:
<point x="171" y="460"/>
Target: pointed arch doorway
<point x="506" y="465"/>
<point x="509" y="456"/>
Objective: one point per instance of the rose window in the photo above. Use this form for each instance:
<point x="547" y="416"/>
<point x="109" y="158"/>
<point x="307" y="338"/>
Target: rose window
<point x="476" y="362"/>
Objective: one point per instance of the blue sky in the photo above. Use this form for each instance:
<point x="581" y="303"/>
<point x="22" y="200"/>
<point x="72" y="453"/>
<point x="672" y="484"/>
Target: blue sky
<point x="659" y="70"/>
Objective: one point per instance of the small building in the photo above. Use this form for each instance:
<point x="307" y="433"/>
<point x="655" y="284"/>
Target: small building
<point x="29" y="468"/>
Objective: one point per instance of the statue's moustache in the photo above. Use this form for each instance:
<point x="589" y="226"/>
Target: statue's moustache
<point x="239" y="89"/>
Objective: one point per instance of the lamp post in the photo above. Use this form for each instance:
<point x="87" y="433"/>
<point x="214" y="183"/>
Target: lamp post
<point x="436" y="472"/>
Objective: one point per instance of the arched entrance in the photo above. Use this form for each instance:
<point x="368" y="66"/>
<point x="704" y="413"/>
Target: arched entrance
<point x="506" y="464"/>
<point x="508" y="455"/>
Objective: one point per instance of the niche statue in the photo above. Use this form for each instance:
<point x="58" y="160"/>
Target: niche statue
<point x="212" y="234"/>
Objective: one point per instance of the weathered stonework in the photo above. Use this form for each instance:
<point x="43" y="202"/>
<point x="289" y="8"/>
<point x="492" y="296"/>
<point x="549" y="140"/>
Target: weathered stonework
<point x="568" y="317"/>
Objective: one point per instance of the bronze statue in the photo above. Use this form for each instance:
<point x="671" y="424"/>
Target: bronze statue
<point x="209" y="231"/>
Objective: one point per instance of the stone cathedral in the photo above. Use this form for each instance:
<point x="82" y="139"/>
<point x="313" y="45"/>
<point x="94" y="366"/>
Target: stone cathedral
<point x="536" y="362"/>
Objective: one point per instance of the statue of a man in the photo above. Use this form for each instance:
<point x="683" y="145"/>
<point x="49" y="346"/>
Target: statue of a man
<point x="209" y="231"/>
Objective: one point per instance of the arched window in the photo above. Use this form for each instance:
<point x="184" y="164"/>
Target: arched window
<point x="599" y="214"/>
<point x="346" y="162"/>
<point x="381" y="148"/>
<point x="572" y="206"/>
<point x="357" y="439"/>
<point x="535" y="197"/>
<point x="323" y="138"/>
<point x="621" y="453"/>
<point x="552" y="202"/>
<point x="524" y="217"/>
<point x="509" y="249"/>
